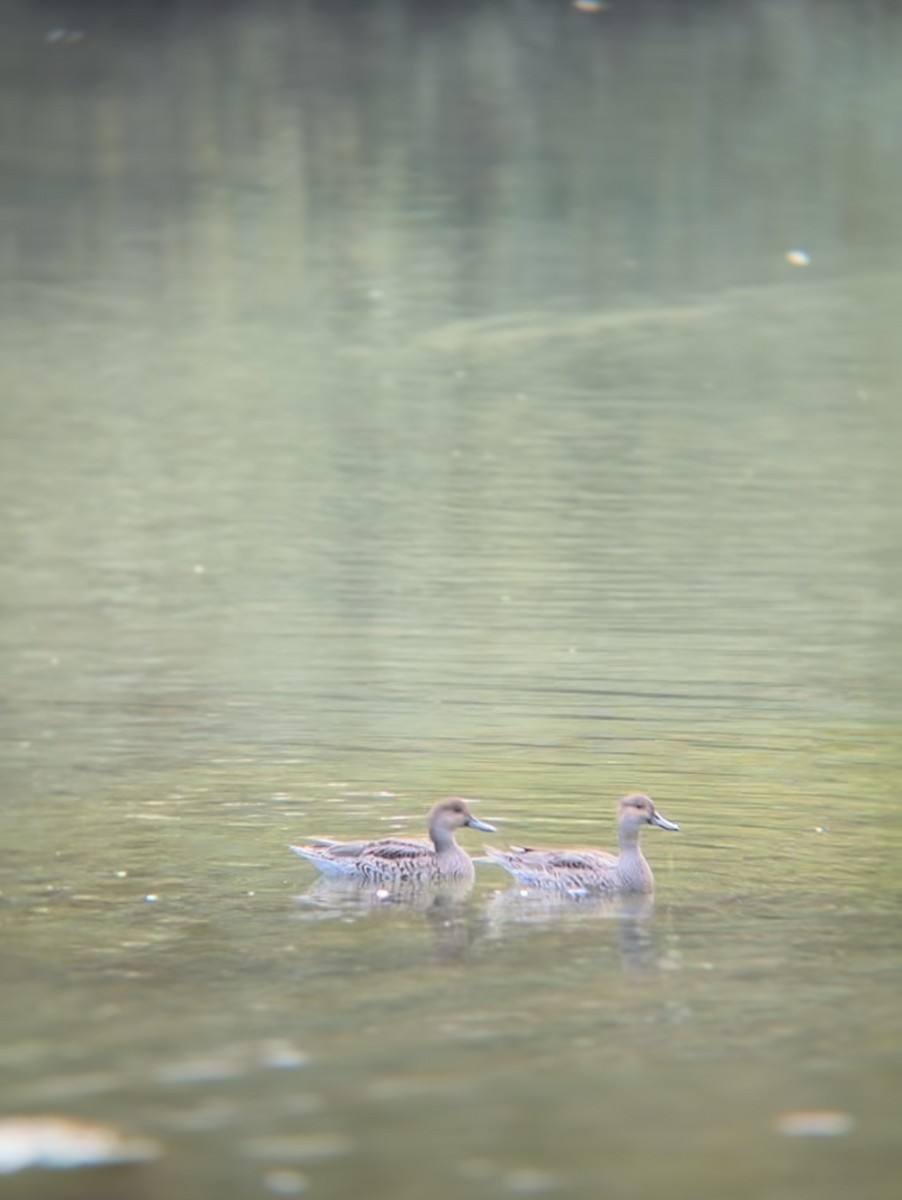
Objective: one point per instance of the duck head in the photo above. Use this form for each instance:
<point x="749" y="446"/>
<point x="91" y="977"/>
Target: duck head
<point x="638" y="810"/>
<point x="453" y="813"/>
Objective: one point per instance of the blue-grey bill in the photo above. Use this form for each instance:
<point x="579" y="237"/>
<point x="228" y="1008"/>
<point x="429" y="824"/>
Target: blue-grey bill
<point x="657" y="819"/>
<point x="475" y="823"/>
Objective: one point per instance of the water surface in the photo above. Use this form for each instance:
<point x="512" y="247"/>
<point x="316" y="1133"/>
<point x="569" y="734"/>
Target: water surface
<point x="399" y="404"/>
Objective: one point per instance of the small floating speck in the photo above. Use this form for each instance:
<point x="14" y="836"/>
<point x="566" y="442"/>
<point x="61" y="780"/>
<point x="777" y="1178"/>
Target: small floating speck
<point x="282" y="1055"/>
<point x="815" y="1123"/>
<point x="58" y="1143"/>
<point x="64" y="35"/>
<point x="121" y="874"/>
<point x="527" y="1181"/>
<point x="199" y="569"/>
<point x="282" y="1182"/>
<point x="151" y="897"/>
<point x="798" y="258"/>
<point x="199" y="1070"/>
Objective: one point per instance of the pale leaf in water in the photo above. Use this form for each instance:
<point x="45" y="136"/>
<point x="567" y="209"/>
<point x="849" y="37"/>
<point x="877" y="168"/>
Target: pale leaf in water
<point x="798" y="258"/>
<point x="58" y="1143"/>
<point x="815" y="1123"/>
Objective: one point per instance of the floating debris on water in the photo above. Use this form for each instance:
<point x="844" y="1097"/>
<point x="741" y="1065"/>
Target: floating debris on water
<point x="198" y="1070"/>
<point x="815" y="1123"/>
<point x="285" y="1183"/>
<point x="64" y="35"/>
<point x="527" y="1181"/>
<point x="281" y="1054"/>
<point x="798" y="258"/>
<point x="59" y="1143"/>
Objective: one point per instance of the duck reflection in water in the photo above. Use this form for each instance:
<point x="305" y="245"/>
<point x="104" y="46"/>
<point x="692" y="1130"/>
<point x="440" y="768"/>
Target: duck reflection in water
<point x="518" y="912"/>
<point x="446" y="910"/>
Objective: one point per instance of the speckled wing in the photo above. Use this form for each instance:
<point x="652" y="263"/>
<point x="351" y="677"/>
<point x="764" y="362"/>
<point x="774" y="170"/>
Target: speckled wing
<point x="390" y="848"/>
<point x="569" y="860"/>
<point x="568" y="869"/>
<point x="397" y="849"/>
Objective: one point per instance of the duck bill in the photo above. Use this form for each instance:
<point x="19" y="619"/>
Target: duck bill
<point x="475" y="823"/>
<point x="663" y="823"/>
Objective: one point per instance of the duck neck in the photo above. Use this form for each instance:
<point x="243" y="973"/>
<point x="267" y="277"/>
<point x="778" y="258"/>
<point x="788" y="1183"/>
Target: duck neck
<point x="632" y="866"/>
<point x="629" y="840"/>
<point x="443" y="839"/>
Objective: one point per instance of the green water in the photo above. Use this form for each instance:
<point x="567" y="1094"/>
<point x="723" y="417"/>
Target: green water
<point x="397" y="404"/>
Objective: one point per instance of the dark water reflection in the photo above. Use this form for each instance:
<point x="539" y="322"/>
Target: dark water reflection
<point x="402" y="401"/>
